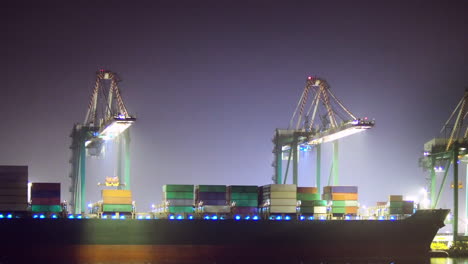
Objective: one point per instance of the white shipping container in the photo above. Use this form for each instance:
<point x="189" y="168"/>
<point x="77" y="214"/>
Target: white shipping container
<point x="320" y="209"/>
<point x="281" y="188"/>
<point x="286" y="202"/>
<point x="216" y="209"/>
<point x="282" y="209"/>
<point x="179" y="202"/>
<point x="280" y="195"/>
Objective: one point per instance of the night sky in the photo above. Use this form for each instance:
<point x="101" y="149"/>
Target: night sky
<point x="209" y="81"/>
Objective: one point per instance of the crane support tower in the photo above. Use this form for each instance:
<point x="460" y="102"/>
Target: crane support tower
<point x="107" y="118"/>
<point x="319" y="117"/>
<point x="449" y="150"/>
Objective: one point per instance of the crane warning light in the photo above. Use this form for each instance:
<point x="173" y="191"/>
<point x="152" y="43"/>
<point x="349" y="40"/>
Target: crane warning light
<point x="309" y="78"/>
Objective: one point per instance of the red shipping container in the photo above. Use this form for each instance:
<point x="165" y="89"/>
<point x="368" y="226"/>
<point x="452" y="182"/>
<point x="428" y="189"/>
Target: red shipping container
<point x="307" y="189"/>
<point x="45" y="201"/>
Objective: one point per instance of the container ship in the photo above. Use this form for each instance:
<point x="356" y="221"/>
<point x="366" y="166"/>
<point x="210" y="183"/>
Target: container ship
<point x="276" y="223"/>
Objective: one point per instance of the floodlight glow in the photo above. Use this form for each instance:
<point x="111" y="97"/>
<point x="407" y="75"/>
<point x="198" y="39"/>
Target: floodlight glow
<point x="190" y="217"/>
<point x="114" y="217"/>
<point x="334" y="134"/>
<point x="207" y="217"/>
<point x="148" y="217"/>
<point x="115" y="128"/>
<point x="347" y="217"/>
<point x="255" y="218"/>
<point x="140" y="217"/>
<point x="287" y="218"/>
<point x="381" y="218"/>
<point x="104" y="216"/>
<point x="278" y="217"/>
<point x="180" y="217"/>
<point x="79" y="216"/>
<point x="302" y="218"/>
<point x="214" y="217"/>
<point x="171" y="217"/>
<point x="122" y="217"/>
<point x="237" y="217"/>
<point x="9" y="216"/>
<point x="34" y="216"/>
<point x="247" y="217"/>
<point x="42" y="216"/>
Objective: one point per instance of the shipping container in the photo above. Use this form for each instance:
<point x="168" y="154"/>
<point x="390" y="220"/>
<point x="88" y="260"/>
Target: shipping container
<point x="283" y="202"/>
<point x="46" y="208"/>
<point x="243" y="196"/>
<point x="180" y="209"/>
<point x="344" y="203"/>
<point x="242" y="203"/>
<point x="117" y="208"/>
<point x="117" y="200"/>
<point x="4" y="191"/>
<point x="116" y="193"/>
<point x="306" y="209"/>
<point x="242" y="189"/>
<point x="351" y="210"/>
<point x="178" y="188"/>
<point x="340" y="196"/>
<point x="307" y="190"/>
<point x="4" y="207"/>
<point x="179" y="202"/>
<point x="395" y="198"/>
<point x="338" y="210"/>
<point x="216" y="209"/>
<point x="282" y="209"/>
<point x="178" y="195"/>
<point x="279" y="195"/>
<point x="280" y="188"/>
<point x="340" y="189"/>
<point x="45" y="186"/>
<point x="14" y="199"/>
<point x="213" y="202"/>
<point x="211" y="188"/>
<point x="45" y="201"/>
<point x="320" y="209"/>
<point x="308" y="196"/>
<point x="211" y="196"/>
<point x="245" y="210"/>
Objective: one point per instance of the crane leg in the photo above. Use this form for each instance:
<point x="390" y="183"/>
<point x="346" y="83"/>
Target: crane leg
<point x="455" y="192"/>
<point x="318" y="167"/>
<point x="81" y="202"/>
<point x="335" y="163"/>
<point x="126" y="138"/>
<point x="433" y="183"/>
<point x="119" y="141"/>
<point x="295" y="162"/>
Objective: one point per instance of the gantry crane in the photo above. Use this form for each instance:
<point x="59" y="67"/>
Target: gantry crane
<point x="449" y="149"/>
<point x="326" y="120"/>
<point x="107" y="118"/>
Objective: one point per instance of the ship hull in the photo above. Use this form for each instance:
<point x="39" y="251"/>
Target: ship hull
<point x="208" y="241"/>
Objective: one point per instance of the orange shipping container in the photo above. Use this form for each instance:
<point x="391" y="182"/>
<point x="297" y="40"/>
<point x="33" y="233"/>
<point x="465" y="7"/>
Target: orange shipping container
<point x="117" y="200"/>
<point x="341" y="196"/>
<point x="307" y="190"/>
<point x="116" y="193"/>
<point x="351" y="210"/>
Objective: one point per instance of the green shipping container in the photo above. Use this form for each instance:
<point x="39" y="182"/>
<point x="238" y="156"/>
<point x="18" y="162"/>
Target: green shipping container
<point x="178" y="188"/>
<point x="308" y="196"/>
<point x="320" y="203"/>
<point x="243" y="189"/>
<point x="211" y="188"/>
<point x="180" y="209"/>
<point x="307" y="209"/>
<point x="307" y="203"/>
<point x="396" y="204"/>
<point x="249" y="203"/>
<point x="244" y="196"/>
<point x="395" y="210"/>
<point x="178" y="195"/>
<point x="46" y="208"/>
<point x="116" y="207"/>
<point x="344" y="203"/>
<point x="338" y="210"/>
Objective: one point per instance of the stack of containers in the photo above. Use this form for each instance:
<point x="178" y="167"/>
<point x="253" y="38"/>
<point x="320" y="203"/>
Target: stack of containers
<point x="13" y="188"/>
<point x="279" y="198"/>
<point x="212" y="198"/>
<point x="243" y="199"/>
<point x="178" y="198"/>
<point x="117" y="201"/>
<point x="45" y="197"/>
<point x="343" y="199"/>
<point x="310" y="202"/>
<point x="396" y="205"/>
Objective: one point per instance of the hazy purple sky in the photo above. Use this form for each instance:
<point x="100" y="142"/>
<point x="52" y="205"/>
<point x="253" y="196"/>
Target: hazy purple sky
<point x="210" y="81"/>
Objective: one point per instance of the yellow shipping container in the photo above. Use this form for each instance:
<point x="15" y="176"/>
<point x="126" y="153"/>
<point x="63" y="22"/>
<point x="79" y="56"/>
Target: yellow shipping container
<point x="116" y="193"/>
<point x="283" y="195"/>
<point x="117" y="200"/>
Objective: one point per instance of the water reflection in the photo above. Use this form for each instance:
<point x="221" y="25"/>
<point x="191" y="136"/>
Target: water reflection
<point x="449" y="260"/>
